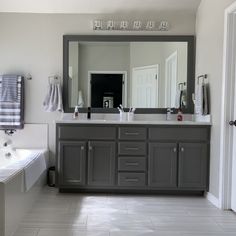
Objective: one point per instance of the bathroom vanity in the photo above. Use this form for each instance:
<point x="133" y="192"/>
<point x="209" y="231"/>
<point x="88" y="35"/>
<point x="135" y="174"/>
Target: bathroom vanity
<point x="137" y="156"/>
<point x="148" y="154"/>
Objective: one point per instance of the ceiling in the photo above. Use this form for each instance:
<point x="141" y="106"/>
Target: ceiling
<point x="97" y="6"/>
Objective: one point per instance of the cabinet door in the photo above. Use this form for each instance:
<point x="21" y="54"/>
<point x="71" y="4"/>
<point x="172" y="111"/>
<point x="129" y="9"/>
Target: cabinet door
<point x="162" y="165"/>
<point x="72" y="164"/>
<point x="193" y="165"/>
<point x="101" y="163"/>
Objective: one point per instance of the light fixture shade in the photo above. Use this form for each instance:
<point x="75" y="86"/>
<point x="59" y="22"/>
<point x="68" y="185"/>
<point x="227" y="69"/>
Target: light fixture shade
<point x="137" y="25"/>
<point x="110" y="25"/>
<point x="164" y="26"/>
<point x="97" y="25"/>
<point x="124" y="25"/>
<point x="150" y="25"/>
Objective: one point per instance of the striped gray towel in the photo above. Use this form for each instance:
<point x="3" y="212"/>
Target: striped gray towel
<point x="11" y="102"/>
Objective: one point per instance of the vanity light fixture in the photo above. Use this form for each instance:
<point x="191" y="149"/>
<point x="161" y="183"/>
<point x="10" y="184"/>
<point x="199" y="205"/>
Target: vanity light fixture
<point x="135" y="25"/>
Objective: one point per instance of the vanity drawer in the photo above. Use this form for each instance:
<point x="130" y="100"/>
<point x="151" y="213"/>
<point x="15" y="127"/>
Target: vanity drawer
<point x="132" y="148"/>
<point x="89" y="132"/>
<point x="132" y="164"/>
<point x="132" y="133"/>
<point x="131" y="179"/>
<point x="179" y="133"/>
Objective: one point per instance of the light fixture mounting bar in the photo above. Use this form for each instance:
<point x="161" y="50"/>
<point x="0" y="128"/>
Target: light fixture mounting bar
<point x="133" y="25"/>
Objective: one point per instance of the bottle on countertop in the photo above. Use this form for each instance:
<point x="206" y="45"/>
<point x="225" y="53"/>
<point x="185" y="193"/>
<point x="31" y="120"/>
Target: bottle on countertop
<point x="89" y="113"/>
<point x="168" y="113"/>
<point x="76" y="112"/>
<point x="180" y="115"/>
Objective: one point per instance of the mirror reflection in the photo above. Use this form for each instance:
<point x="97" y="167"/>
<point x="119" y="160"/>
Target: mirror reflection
<point x="135" y="74"/>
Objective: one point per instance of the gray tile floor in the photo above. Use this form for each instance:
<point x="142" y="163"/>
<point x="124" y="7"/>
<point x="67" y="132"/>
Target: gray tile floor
<point x="56" y="214"/>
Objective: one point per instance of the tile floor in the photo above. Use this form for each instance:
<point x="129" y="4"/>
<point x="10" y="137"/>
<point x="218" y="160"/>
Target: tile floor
<point x="56" y="214"/>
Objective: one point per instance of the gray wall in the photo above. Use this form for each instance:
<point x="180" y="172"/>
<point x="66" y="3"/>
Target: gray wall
<point x="210" y="33"/>
<point x="32" y="43"/>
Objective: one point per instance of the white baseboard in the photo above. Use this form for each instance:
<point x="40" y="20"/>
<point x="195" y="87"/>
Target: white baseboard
<point x="214" y="200"/>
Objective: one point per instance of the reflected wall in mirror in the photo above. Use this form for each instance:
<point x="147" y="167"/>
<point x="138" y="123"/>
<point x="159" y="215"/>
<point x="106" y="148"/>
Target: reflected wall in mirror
<point x="135" y="73"/>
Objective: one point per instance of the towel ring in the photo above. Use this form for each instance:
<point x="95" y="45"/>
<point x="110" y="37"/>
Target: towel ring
<point x="53" y="79"/>
<point x="181" y="85"/>
<point x="204" y="77"/>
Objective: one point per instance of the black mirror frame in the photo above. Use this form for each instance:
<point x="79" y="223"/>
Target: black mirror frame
<point x="190" y="39"/>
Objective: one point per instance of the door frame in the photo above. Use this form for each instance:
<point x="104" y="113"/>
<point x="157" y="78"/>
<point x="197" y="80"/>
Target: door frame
<point x="227" y="109"/>
<point x="156" y="66"/>
<point x="173" y="55"/>
<point x="124" y="86"/>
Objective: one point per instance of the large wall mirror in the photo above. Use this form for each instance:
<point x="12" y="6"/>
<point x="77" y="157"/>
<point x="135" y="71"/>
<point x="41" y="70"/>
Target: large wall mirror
<point x="149" y="73"/>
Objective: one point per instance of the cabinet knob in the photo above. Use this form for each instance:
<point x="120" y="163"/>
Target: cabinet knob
<point x="175" y="150"/>
<point x="182" y="149"/>
<point x="90" y="148"/>
<point x="82" y="148"/>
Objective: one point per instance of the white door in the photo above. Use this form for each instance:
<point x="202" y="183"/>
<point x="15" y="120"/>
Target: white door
<point x="233" y="197"/>
<point x="171" y="80"/>
<point x="233" y="189"/>
<point x="145" y="87"/>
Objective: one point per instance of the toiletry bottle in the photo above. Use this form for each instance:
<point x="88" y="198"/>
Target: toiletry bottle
<point x="89" y="113"/>
<point x="76" y="112"/>
<point x="168" y="113"/>
<point x="180" y="115"/>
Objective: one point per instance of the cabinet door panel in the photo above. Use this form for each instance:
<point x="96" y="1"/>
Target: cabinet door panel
<point x="72" y="163"/>
<point x="163" y="164"/>
<point x="101" y="163"/>
<point x="193" y="162"/>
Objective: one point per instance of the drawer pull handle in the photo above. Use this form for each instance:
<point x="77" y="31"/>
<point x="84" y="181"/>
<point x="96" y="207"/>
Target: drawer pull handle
<point x="128" y="133"/>
<point x="132" y="148"/>
<point x="131" y="179"/>
<point x="131" y="163"/>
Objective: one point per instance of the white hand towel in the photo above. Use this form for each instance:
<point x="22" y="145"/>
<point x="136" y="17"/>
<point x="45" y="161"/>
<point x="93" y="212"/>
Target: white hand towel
<point x="53" y="99"/>
<point x="199" y="99"/>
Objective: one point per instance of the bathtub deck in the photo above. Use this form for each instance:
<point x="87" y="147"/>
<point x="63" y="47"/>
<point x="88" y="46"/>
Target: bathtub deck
<point x="57" y="214"/>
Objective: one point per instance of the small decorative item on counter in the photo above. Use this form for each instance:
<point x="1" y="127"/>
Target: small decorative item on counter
<point x="180" y="115"/>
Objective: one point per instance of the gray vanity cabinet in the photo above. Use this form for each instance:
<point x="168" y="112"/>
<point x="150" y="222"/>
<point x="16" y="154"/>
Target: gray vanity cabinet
<point x="101" y="163"/>
<point x="193" y="164"/>
<point x="72" y="156"/>
<point x="132" y="157"/>
<point x="85" y="156"/>
<point x="162" y="165"/>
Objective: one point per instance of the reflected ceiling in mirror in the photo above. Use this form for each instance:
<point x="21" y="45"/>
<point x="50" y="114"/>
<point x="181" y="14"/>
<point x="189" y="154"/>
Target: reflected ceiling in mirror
<point x="147" y="74"/>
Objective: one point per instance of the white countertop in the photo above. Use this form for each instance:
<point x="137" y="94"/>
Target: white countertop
<point x="145" y="119"/>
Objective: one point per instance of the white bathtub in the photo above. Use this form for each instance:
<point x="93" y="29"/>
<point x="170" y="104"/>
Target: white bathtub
<point x="22" y="176"/>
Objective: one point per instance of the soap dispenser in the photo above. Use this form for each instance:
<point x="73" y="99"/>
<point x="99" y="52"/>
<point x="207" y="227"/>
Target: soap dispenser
<point x="180" y="115"/>
<point x="76" y="112"/>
